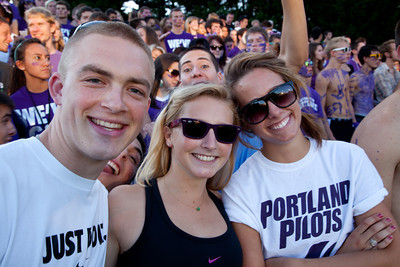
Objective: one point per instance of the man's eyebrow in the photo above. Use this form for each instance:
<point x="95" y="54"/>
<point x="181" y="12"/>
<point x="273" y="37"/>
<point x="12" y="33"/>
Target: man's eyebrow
<point x="200" y="58"/>
<point x="94" y="68"/>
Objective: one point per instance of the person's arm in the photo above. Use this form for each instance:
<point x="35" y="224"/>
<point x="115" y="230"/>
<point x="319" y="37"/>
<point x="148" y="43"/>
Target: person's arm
<point x="389" y="256"/>
<point x="373" y="226"/>
<point x="382" y="86"/>
<point x="321" y="86"/>
<point x="125" y="202"/>
<point x="349" y="98"/>
<point x="294" y="43"/>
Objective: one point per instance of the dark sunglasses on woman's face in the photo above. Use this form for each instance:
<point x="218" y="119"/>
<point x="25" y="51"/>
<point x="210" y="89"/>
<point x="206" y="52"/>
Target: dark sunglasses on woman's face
<point x="281" y="96"/>
<point x="215" y="47"/>
<point x="174" y="73"/>
<point x="197" y="129"/>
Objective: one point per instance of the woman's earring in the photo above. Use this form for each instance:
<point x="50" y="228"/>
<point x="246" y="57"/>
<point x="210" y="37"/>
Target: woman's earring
<point x="161" y="83"/>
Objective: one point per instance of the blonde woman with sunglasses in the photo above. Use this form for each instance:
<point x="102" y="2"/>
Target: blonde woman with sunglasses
<point x="172" y="216"/>
<point x="294" y="202"/>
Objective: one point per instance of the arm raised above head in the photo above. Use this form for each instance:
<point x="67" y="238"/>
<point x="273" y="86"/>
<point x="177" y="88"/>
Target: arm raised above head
<point x="294" y="41"/>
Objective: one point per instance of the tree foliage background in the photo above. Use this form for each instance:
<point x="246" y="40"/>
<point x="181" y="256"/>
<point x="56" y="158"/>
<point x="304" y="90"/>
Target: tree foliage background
<point x="374" y="20"/>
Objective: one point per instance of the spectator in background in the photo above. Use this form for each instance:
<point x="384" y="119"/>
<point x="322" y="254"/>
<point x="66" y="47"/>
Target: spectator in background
<point x="218" y="49"/>
<point x="177" y="36"/>
<point x="257" y="40"/>
<point x="362" y="83"/>
<point x="23" y="6"/>
<point x="84" y="14"/>
<point x="327" y="36"/>
<point x="156" y="51"/>
<point x="229" y="21"/>
<point x="213" y="27"/>
<point x="243" y="22"/>
<point x="192" y="27"/>
<point x="316" y="35"/>
<point x="122" y="169"/>
<point x="386" y="76"/>
<point x="58" y="40"/>
<point x="5" y="68"/>
<point x="354" y="63"/>
<point x="148" y="35"/>
<point x="42" y="25"/>
<point x="110" y="12"/>
<point x="62" y="12"/>
<point x="316" y="54"/>
<point x="51" y="6"/>
<point x="29" y="88"/>
<point x="144" y="12"/>
<point x="39" y="3"/>
<point x="7" y="128"/>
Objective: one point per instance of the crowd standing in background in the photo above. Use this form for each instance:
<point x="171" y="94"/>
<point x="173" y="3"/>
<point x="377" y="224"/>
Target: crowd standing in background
<point x="91" y="104"/>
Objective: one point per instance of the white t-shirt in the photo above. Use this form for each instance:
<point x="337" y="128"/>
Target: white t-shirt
<point x="306" y="208"/>
<point x="49" y="215"/>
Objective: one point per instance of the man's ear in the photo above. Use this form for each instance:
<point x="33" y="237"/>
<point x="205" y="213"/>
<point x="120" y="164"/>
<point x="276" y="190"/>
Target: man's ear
<point x="55" y="88"/>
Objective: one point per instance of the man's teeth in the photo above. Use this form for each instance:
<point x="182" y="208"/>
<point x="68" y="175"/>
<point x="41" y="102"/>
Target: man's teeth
<point x="282" y="124"/>
<point x="114" y="167"/>
<point x="204" y="158"/>
<point x="107" y="125"/>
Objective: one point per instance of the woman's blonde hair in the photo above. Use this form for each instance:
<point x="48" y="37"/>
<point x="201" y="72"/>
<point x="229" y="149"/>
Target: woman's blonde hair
<point x="243" y="63"/>
<point x="158" y="159"/>
<point x="188" y="21"/>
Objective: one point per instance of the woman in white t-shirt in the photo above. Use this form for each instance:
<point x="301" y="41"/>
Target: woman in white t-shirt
<point x="298" y="197"/>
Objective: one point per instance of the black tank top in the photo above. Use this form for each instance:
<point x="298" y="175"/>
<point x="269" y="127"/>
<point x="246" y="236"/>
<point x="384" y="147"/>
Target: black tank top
<point x="161" y="243"/>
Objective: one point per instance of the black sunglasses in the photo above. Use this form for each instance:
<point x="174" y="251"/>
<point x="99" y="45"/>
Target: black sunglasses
<point x="214" y="47"/>
<point x="196" y="129"/>
<point x="281" y="96"/>
<point x="174" y="73"/>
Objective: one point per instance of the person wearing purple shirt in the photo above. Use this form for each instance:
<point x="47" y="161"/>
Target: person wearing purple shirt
<point x="353" y="61"/>
<point x="177" y="37"/>
<point x="29" y="87"/>
<point x="362" y="83"/>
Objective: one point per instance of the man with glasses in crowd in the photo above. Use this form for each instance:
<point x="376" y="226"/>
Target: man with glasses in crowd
<point x="332" y="84"/>
<point x="386" y="75"/>
<point x="54" y="210"/>
<point x="362" y="83"/>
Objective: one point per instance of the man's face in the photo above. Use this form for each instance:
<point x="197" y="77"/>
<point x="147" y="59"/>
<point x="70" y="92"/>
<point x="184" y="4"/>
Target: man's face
<point x="216" y="28"/>
<point x="146" y="13"/>
<point x="40" y="3"/>
<point x="244" y="23"/>
<point x="7" y="128"/>
<point x="52" y="7"/>
<point x="104" y="96"/>
<point x="40" y="28"/>
<point x="177" y="18"/>
<point x="256" y="43"/>
<point x="340" y="55"/>
<point x="373" y="61"/>
<point x="229" y="18"/>
<point x="393" y="54"/>
<point x="5" y="37"/>
<point x="85" y="16"/>
<point x="113" y="16"/>
<point x="196" y="67"/>
<point x="62" y="11"/>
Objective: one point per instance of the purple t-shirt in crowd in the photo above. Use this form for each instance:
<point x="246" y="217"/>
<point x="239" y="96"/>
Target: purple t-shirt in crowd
<point x="155" y="110"/>
<point x="173" y="41"/>
<point x="311" y="103"/>
<point x="54" y="60"/>
<point x="36" y="108"/>
<point x="235" y="51"/>
<point x="65" y="30"/>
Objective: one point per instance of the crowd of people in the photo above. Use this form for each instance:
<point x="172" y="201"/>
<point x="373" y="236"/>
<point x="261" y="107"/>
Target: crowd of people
<point x="188" y="141"/>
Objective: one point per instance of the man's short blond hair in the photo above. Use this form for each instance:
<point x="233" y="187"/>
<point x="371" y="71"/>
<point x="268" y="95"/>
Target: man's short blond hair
<point x="334" y="43"/>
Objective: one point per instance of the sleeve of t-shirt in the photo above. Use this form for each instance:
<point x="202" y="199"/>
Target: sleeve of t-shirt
<point x="238" y="205"/>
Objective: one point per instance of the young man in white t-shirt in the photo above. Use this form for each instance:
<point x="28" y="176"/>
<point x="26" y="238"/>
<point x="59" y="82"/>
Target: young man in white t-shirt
<point x="54" y="211"/>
